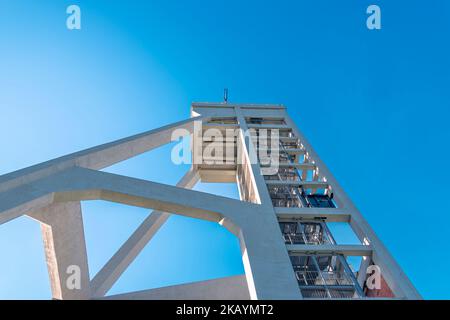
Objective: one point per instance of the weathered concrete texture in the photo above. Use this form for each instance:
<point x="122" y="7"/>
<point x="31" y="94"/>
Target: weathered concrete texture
<point x="229" y="288"/>
<point x="64" y="243"/>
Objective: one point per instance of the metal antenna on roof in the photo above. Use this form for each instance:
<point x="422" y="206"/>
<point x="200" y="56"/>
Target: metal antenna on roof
<point x="225" y="95"/>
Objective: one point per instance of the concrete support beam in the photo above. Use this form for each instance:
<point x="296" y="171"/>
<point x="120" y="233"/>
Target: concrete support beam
<point x="304" y="184"/>
<point x="266" y="262"/>
<point x="289" y="139"/>
<point x="114" y="268"/>
<point x="301" y="166"/>
<point x="79" y="184"/>
<point x="219" y="126"/>
<point x="398" y="282"/>
<point x="267" y="265"/>
<point x="229" y="288"/>
<point x="390" y="270"/>
<point x="218" y="176"/>
<point x="229" y="105"/>
<point x="327" y="214"/>
<point x="16" y="204"/>
<point x="215" y="161"/>
<point x="268" y="126"/>
<point x="65" y="250"/>
<point x="347" y="250"/>
<point x="98" y="157"/>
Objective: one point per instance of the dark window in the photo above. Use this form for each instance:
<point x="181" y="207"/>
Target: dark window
<point x="320" y="201"/>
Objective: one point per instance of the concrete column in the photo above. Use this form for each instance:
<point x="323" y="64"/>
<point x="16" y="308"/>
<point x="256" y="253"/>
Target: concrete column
<point x="266" y="261"/>
<point x="267" y="265"/>
<point x="391" y="271"/>
<point x="65" y="250"/>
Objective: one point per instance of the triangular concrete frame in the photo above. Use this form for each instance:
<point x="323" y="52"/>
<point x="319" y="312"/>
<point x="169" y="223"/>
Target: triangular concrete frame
<point x="51" y="193"/>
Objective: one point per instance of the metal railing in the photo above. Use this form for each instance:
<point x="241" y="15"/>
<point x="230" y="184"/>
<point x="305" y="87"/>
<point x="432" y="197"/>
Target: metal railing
<point x="315" y="233"/>
<point x="335" y="278"/>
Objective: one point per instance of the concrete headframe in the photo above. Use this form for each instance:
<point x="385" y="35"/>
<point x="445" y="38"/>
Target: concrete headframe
<point x="51" y="192"/>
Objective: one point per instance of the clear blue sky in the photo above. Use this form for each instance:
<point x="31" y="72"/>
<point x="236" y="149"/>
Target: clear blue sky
<point x="375" y="104"/>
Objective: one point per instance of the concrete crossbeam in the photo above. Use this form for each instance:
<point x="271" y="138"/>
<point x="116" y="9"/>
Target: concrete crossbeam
<point x="325" y="249"/>
<point x="98" y="157"/>
<point x="327" y="214"/>
<point x="397" y="280"/>
<point x="218" y="176"/>
<point x="268" y="126"/>
<point x="228" y="288"/>
<point x="304" y="184"/>
<point x="114" y="268"/>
